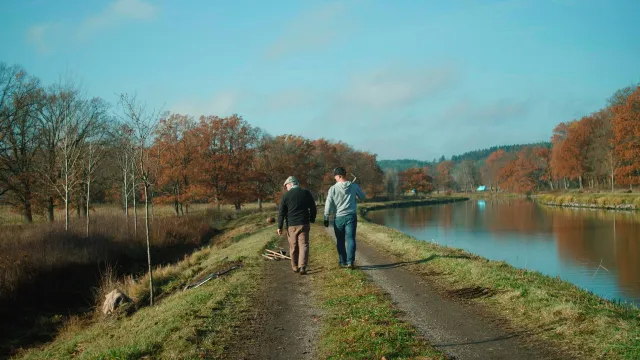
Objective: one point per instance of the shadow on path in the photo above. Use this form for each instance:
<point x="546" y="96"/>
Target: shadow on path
<point x="406" y="263"/>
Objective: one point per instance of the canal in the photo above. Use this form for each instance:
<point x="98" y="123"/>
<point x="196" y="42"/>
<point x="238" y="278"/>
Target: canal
<point x="597" y="250"/>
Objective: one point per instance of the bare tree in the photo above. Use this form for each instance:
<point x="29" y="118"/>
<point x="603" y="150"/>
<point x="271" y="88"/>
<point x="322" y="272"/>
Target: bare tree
<point x="143" y="123"/>
<point x="68" y="119"/>
<point x="19" y="101"/>
<point x="95" y="153"/>
<point x="466" y="174"/>
<point x="123" y="138"/>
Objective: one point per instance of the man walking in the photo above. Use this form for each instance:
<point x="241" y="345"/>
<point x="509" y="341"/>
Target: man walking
<point x="341" y="200"/>
<point x="299" y="208"/>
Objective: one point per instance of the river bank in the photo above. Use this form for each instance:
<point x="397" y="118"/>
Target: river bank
<point x="544" y="307"/>
<point x="615" y="201"/>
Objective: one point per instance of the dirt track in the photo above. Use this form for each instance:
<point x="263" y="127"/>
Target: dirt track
<point x="284" y="323"/>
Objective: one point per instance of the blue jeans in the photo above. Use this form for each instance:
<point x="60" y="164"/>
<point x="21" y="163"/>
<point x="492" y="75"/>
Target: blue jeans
<point x="345" y="227"/>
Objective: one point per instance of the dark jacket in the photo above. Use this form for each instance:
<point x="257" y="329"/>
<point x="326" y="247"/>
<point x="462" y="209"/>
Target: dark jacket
<point x="298" y="206"/>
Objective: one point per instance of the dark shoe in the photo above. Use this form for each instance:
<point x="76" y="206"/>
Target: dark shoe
<point x="344" y="266"/>
<point x="296" y="270"/>
<point x="351" y="266"/>
<point x="303" y="270"/>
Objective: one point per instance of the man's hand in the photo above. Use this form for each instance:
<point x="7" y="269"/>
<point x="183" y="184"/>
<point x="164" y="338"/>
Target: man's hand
<point x="279" y="232"/>
<point x="326" y="221"/>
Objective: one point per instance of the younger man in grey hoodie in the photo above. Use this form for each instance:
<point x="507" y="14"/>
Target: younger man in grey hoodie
<point x="341" y="200"/>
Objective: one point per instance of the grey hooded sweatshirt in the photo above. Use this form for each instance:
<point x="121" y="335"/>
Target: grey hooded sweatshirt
<point x="341" y="199"/>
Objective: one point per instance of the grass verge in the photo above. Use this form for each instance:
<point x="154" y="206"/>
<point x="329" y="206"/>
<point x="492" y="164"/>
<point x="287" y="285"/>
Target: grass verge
<point x="197" y="323"/>
<point x="359" y="321"/>
<point x="578" y="322"/>
<point x="618" y="201"/>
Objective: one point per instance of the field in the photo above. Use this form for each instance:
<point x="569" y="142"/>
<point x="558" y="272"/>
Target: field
<point x="65" y="268"/>
<point x="9" y="216"/>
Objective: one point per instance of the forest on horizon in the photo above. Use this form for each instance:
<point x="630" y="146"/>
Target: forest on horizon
<point x="598" y="151"/>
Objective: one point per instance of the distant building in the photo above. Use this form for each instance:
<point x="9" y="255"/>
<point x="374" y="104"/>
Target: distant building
<point x="481" y="188"/>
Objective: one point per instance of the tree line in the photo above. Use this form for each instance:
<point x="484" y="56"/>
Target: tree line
<point x="597" y="152"/>
<point x="60" y="148"/>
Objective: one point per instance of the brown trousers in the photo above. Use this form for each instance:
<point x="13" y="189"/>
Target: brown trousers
<point x="298" y="237"/>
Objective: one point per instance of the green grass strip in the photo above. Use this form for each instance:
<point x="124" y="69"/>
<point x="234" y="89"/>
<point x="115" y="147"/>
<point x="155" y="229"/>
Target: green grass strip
<point x="359" y="321"/>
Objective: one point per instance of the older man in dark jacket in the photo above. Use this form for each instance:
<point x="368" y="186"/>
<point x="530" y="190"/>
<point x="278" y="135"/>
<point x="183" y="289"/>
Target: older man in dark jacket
<point x="299" y="208"/>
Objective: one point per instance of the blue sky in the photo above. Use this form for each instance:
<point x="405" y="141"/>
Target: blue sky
<point x="402" y="79"/>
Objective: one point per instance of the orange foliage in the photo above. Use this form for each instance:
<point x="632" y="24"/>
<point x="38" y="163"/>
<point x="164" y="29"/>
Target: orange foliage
<point x="519" y="175"/>
<point x="444" y="169"/>
<point x="626" y="129"/>
<point x="174" y="145"/>
<point x="417" y="179"/>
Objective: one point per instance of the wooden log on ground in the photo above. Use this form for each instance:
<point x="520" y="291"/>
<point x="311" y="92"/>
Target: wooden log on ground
<point x="269" y="257"/>
<point x="278" y="254"/>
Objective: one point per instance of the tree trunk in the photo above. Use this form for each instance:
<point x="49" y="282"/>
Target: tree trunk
<point x="66" y="196"/>
<point x="148" y="230"/>
<point x="28" y="214"/>
<point x="612" y="183"/>
<point x="135" y="209"/>
<point x="88" y="196"/>
<point x="125" y="192"/>
<point x="238" y="206"/>
<point x="260" y="204"/>
<point x="50" y="208"/>
<point x="580" y="181"/>
<point x="175" y="206"/>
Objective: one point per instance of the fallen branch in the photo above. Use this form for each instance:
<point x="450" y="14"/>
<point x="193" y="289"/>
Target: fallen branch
<point x="212" y="276"/>
<point x="278" y="254"/>
<point x="599" y="266"/>
<point x="270" y="257"/>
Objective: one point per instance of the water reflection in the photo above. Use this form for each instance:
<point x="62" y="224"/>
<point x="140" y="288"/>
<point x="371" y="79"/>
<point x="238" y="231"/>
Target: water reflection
<point x="571" y="243"/>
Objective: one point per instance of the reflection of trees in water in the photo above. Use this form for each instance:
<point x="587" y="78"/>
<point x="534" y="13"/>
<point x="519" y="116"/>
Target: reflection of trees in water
<point x="593" y="236"/>
<point x="583" y="235"/>
<point x="520" y="216"/>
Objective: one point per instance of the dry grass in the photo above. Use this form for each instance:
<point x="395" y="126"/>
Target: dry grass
<point x="197" y="323"/>
<point x="8" y="216"/>
<point x="603" y="200"/>
<point x="43" y="261"/>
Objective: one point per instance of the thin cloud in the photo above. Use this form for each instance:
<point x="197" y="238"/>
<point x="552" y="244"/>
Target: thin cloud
<point x="289" y="99"/>
<point x="393" y="87"/>
<point x="46" y="36"/>
<point x="494" y="113"/>
<point x="39" y="36"/>
<point x="311" y="31"/>
<point x="223" y="103"/>
<point x="116" y="13"/>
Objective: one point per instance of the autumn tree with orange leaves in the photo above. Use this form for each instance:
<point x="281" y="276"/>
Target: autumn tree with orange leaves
<point x="227" y="148"/>
<point x="520" y="175"/>
<point x="495" y="162"/>
<point x="176" y="148"/>
<point x="626" y="129"/>
<point x="415" y="178"/>
<point x="443" y="175"/>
